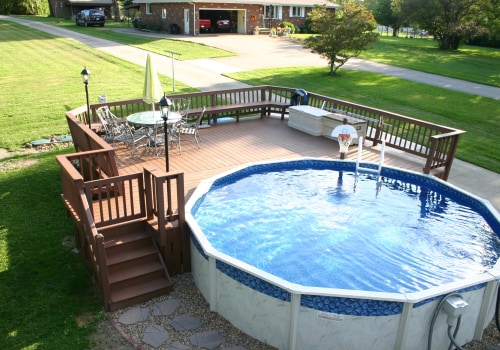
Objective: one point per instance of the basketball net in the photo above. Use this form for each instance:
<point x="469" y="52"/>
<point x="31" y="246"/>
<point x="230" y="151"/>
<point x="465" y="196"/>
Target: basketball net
<point x="344" y="142"/>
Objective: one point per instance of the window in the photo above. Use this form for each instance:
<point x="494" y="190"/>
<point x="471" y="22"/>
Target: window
<point x="296" y="11"/>
<point x="272" y="12"/>
<point x="148" y="9"/>
<point x="163" y="13"/>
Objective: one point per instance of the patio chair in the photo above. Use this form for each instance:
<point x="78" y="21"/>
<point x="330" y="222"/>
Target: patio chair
<point x="180" y="106"/>
<point x="134" y="138"/>
<point x="114" y="127"/>
<point x="191" y="129"/>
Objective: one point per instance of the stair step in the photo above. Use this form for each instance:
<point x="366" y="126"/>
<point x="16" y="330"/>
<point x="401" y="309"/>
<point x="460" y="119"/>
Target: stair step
<point x="130" y="272"/>
<point x="156" y="287"/>
<point x="126" y="239"/>
<point x="129" y="255"/>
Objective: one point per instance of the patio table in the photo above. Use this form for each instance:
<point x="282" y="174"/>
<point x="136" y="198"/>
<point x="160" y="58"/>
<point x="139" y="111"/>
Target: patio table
<point x="150" y="119"/>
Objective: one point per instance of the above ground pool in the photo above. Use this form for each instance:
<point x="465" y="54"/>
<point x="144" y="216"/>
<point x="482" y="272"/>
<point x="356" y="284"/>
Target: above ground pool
<point x="307" y="254"/>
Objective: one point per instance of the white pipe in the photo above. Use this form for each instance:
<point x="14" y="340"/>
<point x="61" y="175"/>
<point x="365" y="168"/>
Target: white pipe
<point x="360" y="149"/>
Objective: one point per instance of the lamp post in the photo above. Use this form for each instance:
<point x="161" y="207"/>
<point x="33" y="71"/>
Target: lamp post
<point x="85" y="76"/>
<point x="165" y="104"/>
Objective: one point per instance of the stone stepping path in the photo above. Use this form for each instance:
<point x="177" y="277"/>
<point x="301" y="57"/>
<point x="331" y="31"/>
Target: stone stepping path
<point x="155" y="335"/>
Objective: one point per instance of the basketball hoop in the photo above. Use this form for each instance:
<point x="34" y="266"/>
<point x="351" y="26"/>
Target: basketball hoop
<point x="344" y="142"/>
<point x="344" y="134"/>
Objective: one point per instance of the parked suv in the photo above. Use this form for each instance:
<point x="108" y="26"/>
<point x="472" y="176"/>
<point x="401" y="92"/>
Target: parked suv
<point x="91" y="17"/>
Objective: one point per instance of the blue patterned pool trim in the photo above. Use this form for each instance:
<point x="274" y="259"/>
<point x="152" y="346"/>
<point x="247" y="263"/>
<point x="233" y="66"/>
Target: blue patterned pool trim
<point x="464" y="290"/>
<point x="253" y="282"/>
<point x="337" y="305"/>
<point x="352" y="306"/>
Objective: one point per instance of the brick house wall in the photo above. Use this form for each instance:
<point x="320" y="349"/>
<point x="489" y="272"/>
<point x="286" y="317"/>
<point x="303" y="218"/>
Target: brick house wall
<point x="175" y="15"/>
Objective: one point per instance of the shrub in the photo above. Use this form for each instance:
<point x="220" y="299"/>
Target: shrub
<point x="290" y="25"/>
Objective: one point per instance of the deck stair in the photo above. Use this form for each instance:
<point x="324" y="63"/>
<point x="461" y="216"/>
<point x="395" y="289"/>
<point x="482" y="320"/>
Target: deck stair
<point x="136" y="270"/>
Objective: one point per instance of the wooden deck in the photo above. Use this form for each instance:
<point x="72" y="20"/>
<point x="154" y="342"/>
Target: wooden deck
<point x="227" y="145"/>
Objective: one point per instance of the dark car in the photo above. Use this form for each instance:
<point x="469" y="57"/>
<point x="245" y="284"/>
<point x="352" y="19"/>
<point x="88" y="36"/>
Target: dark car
<point x="91" y="17"/>
<point x="224" y="24"/>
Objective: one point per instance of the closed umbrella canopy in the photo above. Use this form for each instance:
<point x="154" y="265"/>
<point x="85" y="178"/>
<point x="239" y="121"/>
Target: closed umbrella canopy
<point x="153" y="91"/>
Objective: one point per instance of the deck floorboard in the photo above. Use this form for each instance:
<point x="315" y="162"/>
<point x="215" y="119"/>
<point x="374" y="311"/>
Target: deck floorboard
<point x="227" y="145"/>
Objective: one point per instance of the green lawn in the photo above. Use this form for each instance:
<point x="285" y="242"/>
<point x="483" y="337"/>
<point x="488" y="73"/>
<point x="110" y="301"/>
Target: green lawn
<point x="472" y="63"/>
<point x="155" y="43"/>
<point x="46" y="288"/>
<point x="41" y="81"/>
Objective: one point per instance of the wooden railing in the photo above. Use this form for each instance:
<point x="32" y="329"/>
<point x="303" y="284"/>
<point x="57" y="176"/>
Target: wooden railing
<point x="114" y="199"/>
<point x="435" y="143"/>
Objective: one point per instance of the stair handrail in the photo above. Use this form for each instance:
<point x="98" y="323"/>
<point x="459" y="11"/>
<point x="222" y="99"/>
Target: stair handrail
<point x="86" y="235"/>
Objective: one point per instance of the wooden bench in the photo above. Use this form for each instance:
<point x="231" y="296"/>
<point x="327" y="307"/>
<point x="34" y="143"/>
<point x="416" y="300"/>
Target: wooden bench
<point x="265" y="109"/>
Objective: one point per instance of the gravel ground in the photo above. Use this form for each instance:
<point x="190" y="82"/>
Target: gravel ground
<point x="111" y="334"/>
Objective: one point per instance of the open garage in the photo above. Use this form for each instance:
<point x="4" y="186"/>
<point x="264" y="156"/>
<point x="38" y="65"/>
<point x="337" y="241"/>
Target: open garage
<point x="223" y="20"/>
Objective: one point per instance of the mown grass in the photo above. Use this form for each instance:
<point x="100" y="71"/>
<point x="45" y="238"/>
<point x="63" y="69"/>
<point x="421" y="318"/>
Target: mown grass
<point x="150" y="41"/>
<point x="49" y="299"/>
<point x="471" y="63"/>
<point x="41" y="81"/>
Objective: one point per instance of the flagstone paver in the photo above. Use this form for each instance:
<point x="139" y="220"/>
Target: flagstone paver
<point x="134" y="315"/>
<point x="166" y="307"/>
<point x="208" y="339"/>
<point x="155" y="335"/>
<point x="185" y="322"/>
<point x="176" y="345"/>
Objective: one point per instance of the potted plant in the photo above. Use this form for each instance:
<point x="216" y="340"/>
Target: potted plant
<point x="273" y="31"/>
<point x="256" y="30"/>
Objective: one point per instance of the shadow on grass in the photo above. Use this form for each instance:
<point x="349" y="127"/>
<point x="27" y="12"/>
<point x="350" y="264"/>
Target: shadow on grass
<point x="45" y="287"/>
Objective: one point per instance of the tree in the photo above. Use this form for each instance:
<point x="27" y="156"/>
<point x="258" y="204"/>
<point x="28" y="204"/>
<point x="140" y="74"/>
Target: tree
<point x="25" y="7"/>
<point x="385" y="15"/>
<point x="452" y="22"/>
<point x="342" y="34"/>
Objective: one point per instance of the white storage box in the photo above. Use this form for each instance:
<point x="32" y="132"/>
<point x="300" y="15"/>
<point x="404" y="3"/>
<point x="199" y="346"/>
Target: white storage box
<point x="307" y="119"/>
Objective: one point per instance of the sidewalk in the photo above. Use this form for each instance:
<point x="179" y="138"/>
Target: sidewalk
<point x="260" y="51"/>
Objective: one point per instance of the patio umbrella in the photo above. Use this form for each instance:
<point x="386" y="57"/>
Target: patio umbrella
<point x="153" y="91"/>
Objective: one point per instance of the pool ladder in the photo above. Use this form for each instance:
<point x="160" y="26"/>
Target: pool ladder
<point x="367" y="170"/>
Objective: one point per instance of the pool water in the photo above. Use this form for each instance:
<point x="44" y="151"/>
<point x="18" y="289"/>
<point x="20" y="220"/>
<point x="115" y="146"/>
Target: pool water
<point x="324" y="228"/>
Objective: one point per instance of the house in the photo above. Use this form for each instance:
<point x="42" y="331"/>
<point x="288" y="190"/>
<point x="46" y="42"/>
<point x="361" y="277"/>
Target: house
<point x="182" y="17"/>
